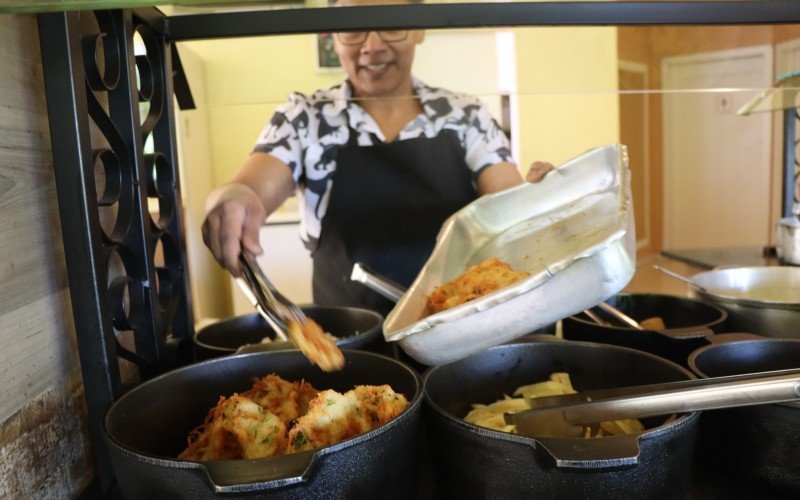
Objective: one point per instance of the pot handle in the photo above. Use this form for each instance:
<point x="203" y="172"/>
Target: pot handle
<point x="599" y="453"/>
<point x="726" y="338"/>
<point x="377" y="283"/>
<point x="689" y="332"/>
<point x="238" y="476"/>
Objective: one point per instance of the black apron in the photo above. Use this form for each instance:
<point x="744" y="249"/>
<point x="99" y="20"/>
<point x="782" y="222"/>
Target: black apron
<point x="386" y="206"/>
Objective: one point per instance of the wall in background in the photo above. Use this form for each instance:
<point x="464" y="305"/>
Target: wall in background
<point x="567" y="82"/>
<point x="462" y="61"/>
<point x="245" y="80"/>
<point x="209" y="282"/>
<point x="44" y="447"/>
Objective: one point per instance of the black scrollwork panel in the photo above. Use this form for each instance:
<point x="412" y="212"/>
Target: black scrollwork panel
<point x="126" y="268"/>
<point x="162" y="180"/>
<point x="113" y="183"/>
<point x="127" y="94"/>
<point x="152" y="85"/>
<point x="101" y="54"/>
<point x="168" y="272"/>
<point x="105" y="49"/>
<point x="126" y="296"/>
<point x="161" y="185"/>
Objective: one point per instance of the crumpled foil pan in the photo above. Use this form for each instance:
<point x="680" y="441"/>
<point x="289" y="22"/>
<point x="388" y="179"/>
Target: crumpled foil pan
<point x="573" y="232"/>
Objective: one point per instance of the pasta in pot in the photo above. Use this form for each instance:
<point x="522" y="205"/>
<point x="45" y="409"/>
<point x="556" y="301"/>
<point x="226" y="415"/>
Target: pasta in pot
<point x="491" y="415"/>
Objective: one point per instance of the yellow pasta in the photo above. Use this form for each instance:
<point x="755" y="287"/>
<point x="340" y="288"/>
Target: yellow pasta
<point x="491" y="415"/>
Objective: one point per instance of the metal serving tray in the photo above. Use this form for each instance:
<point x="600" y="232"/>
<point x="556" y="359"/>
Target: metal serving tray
<point x="573" y="232"/>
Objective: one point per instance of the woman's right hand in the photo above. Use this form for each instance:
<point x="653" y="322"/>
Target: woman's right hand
<point x="234" y="215"/>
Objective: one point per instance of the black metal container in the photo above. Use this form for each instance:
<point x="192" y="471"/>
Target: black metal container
<point x="474" y="462"/>
<point x="689" y="322"/>
<point x="760" y="442"/>
<point x="354" y="328"/>
<point x="147" y="428"/>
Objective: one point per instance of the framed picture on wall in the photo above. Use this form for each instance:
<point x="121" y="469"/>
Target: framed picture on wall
<point x="327" y="60"/>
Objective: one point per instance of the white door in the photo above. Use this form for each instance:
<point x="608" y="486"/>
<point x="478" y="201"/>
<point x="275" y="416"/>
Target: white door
<point x="716" y="163"/>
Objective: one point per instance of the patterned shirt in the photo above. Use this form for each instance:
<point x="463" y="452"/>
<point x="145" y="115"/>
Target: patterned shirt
<point x="306" y="133"/>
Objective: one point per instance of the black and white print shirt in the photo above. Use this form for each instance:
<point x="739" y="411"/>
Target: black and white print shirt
<point x="306" y="132"/>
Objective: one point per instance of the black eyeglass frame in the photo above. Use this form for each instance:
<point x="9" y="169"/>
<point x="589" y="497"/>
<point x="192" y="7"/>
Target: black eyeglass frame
<point x="365" y="35"/>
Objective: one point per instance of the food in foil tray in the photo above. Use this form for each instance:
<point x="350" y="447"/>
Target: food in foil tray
<point x="479" y="280"/>
<point x="278" y="417"/>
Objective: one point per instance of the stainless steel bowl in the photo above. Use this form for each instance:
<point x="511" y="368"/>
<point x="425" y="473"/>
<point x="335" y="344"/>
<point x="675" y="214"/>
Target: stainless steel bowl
<point x="788" y="239"/>
<point x="762" y="300"/>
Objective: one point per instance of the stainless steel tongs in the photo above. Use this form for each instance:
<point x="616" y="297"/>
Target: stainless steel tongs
<point x="562" y="416"/>
<point x="273" y="306"/>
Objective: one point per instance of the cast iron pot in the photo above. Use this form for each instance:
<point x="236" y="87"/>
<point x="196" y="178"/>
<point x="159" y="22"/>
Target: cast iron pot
<point x="689" y="322"/>
<point x="760" y="442"/>
<point x="475" y="462"/>
<point x="148" y="426"/>
<point x="356" y="328"/>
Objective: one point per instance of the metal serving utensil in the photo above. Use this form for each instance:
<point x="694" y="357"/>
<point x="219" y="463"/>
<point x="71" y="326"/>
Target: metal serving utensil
<point x="562" y="416"/>
<point x="273" y="306"/>
<point x="596" y="318"/>
<point x="680" y="277"/>
<point x="620" y="315"/>
<point x="361" y="273"/>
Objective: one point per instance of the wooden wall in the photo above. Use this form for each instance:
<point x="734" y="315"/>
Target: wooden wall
<point x="44" y="447"/>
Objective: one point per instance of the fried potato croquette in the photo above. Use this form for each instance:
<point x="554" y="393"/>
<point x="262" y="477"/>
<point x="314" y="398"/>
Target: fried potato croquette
<point x="479" y="280"/>
<point x="315" y="345"/>
<point x="238" y="428"/>
<point x="276" y="416"/>
<point x="287" y="400"/>
<point x="334" y="417"/>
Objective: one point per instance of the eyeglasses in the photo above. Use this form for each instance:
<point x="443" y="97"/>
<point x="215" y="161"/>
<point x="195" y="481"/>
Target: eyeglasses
<point x="359" y="37"/>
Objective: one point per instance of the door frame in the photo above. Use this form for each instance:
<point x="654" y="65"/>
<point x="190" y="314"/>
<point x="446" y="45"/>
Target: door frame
<point x="641" y="68"/>
<point x="668" y="65"/>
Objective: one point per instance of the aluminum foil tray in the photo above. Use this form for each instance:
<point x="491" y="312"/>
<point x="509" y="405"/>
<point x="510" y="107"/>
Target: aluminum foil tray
<point x="573" y="232"/>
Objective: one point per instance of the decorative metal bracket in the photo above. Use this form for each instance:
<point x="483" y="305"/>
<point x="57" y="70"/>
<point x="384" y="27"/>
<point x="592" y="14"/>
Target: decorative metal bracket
<point x="119" y="199"/>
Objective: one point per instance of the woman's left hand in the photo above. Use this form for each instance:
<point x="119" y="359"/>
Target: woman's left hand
<point x="538" y="170"/>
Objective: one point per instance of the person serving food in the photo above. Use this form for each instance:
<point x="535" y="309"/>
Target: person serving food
<point x="381" y="161"/>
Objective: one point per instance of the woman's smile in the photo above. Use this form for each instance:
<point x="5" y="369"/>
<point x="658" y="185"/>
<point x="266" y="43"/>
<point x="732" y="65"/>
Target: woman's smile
<point x="376" y="69"/>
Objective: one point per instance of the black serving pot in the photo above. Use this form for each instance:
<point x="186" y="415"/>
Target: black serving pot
<point x="474" y="462"/>
<point x="147" y="427"/>
<point x="760" y="442"/>
<point x="689" y="322"/>
<point x="354" y="327"/>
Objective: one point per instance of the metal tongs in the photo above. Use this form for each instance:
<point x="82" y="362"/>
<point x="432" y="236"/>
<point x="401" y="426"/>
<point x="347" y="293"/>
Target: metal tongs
<point x="563" y="416"/>
<point x="613" y="311"/>
<point x="273" y="306"/>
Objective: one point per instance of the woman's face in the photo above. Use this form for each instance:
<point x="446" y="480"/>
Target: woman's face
<point x="376" y="68"/>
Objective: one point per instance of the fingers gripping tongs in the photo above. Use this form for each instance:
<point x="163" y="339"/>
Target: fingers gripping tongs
<point x="277" y="310"/>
